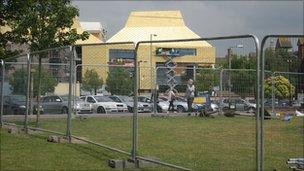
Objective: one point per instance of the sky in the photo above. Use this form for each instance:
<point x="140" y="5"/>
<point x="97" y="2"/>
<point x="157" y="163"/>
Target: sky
<point x="205" y="18"/>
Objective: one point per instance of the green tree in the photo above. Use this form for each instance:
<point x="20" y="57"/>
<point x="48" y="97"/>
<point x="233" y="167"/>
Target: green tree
<point x="243" y="82"/>
<point x="91" y="81"/>
<point x="119" y="81"/>
<point x="18" y="82"/>
<point x="282" y="87"/>
<point x="41" y="25"/>
<point x="19" y="78"/>
<point x="207" y="79"/>
<point x="281" y="60"/>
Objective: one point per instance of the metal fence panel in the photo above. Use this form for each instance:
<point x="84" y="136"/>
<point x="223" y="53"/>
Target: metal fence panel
<point x="104" y="83"/>
<point x="282" y="131"/>
<point x="192" y="141"/>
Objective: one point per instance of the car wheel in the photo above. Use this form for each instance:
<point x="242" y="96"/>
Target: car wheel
<point x="130" y="109"/>
<point x="180" y="109"/>
<point x="159" y="109"/>
<point x="64" y="110"/>
<point x="101" y="110"/>
<point x="251" y="110"/>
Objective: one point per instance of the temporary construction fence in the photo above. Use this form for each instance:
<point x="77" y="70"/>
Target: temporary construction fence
<point x="282" y="95"/>
<point x="141" y="69"/>
<point x="69" y="67"/>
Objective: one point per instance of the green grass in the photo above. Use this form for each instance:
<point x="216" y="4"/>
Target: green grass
<point x="201" y="144"/>
<point x="28" y="152"/>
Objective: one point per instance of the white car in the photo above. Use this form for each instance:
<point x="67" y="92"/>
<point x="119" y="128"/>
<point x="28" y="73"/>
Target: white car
<point x="103" y="104"/>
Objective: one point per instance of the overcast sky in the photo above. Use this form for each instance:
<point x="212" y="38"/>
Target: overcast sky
<point x="206" y="18"/>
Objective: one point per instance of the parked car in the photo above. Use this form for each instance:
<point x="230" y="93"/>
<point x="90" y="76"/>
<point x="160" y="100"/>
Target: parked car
<point x="104" y="104"/>
<point x="238" y="105"/>
<point x="285" y="103"/>
<point x="268" y="102"/>
<point x="80" y="106"/>
<point x="179" y="104"/>
<point x="162" y="106"/>
<point x="55" y="104"/>
<point x="16" y="105"/>
<point x="141" y="106"/>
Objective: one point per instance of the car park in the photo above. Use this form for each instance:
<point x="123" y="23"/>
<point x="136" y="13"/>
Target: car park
<point x="54" y="104"/>
<point x="129" y="101"/>
<point x="104" y="104"/>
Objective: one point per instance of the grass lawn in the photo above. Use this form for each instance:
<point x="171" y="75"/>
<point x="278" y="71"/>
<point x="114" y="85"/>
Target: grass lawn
<point x="200" y="144"/>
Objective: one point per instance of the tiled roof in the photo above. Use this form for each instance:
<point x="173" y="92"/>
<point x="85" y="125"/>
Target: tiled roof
<point x="283" y="42"/>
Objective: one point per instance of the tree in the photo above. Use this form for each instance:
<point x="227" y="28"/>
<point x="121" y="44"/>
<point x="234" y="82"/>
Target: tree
<point x="19" y="78"/>
<point x="119" y="81"/>
<point x="42" y="25"/>
<point x="243" y="82"/>
<point x="91" y="81"/>
<point x="282" y="87"/>
<point x="281" y="60"/>
<point x="18" y="82"/>
<point x="207" y="79"/>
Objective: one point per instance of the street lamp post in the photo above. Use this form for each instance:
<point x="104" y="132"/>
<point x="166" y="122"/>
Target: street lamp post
<point x="151" y="72"/>
<point x="229" y="55"/>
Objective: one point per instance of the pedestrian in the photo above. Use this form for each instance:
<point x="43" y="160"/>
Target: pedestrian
<point x="190" y="93"/>
<point x="171" y="98"/>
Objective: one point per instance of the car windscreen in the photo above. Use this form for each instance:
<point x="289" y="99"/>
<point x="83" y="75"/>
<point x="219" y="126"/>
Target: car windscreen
<point x="18" y="98"/>
<point x="66" y="98"/>
<point x="103" y="99"/>
<point x="115" y="99"/>
<point x="126" y="99"/>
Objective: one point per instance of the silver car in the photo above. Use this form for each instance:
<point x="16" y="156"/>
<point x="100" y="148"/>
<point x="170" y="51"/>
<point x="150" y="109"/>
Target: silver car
<point x="162" y="106"/>
<point x="141" y="106"/>
<point x="59" y="105"/>
<point x="179" y="104"/>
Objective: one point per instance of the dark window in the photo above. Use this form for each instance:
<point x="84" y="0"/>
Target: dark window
<point x="121" y="53"/>
<point x="90" y="100"/>
<point x="45" y="99"/>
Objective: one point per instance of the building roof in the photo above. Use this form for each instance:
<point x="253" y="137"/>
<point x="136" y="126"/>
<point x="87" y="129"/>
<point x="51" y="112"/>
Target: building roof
<point x="92" y="27"/>
<point x="283" y="42"/>
<point x="91" y="40"/>
<point x="166" y="25"/>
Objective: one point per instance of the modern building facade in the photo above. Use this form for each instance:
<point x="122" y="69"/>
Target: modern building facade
<point x="151" y="26"/>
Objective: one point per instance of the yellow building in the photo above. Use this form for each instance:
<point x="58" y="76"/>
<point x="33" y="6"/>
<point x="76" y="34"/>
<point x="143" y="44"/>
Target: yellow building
<point x="146" y="26"/>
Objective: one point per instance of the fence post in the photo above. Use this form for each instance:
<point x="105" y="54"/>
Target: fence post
<point x="272" y="94"/>
<point x="2" y="82"/>
<point x="135" y="107"/>
<point x="221" y="91"/>
<point x="155" y="92"/>
<point x="68" y="133"/>
<point x="28" y="83"/>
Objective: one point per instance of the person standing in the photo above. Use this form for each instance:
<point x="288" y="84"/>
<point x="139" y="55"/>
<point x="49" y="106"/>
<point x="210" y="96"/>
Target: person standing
<point x="190" y="93"/>
<point x="171" y="98"/>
